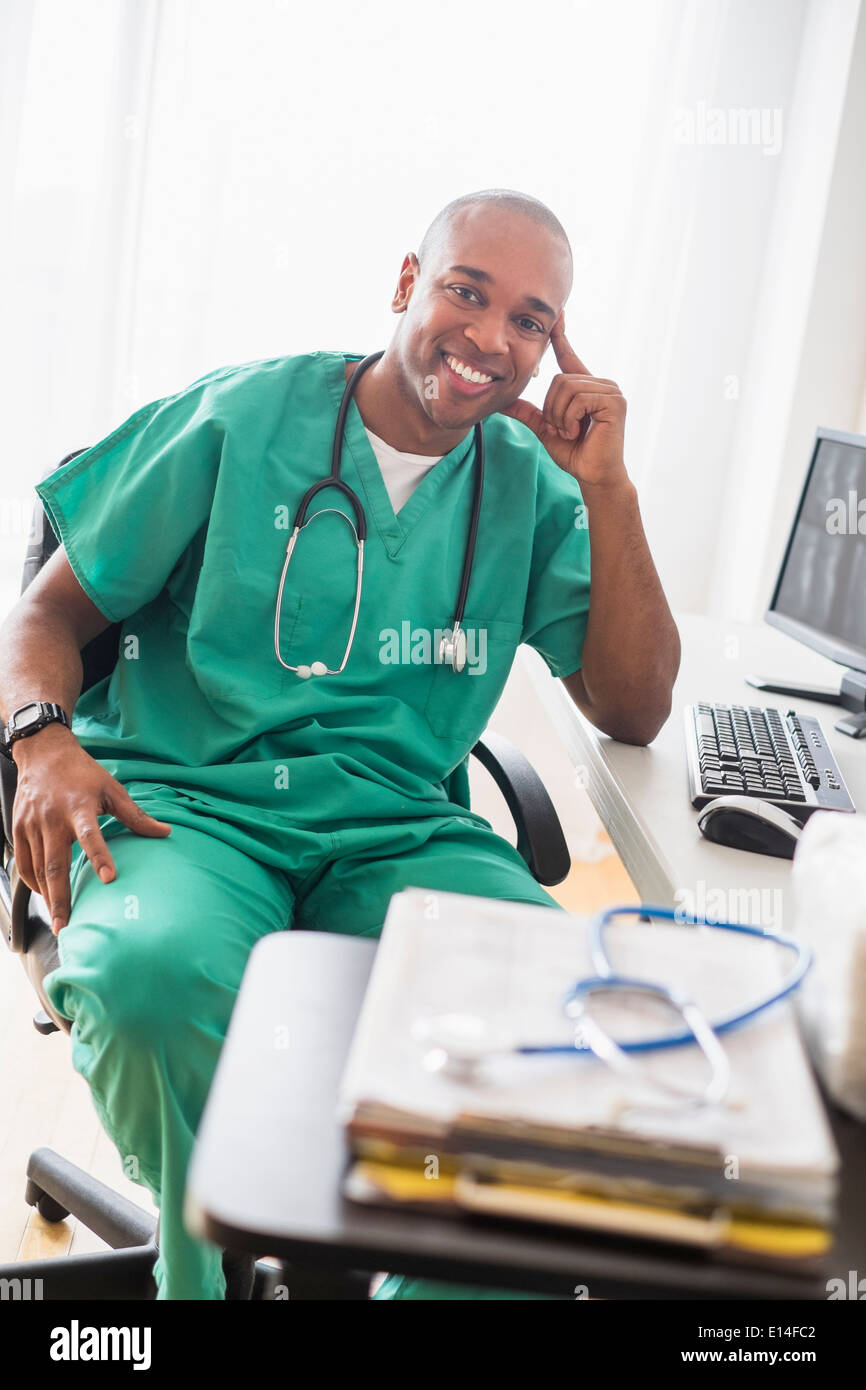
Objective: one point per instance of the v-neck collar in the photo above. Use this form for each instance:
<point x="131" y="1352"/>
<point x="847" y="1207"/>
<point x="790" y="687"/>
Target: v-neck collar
<point x="393" y="528"/>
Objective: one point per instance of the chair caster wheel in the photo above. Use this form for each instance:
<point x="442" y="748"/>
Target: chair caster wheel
<point x="48" y="1209"/>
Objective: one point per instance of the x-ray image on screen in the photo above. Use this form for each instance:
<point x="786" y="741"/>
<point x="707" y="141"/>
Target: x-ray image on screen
<point x="823" y="584"/>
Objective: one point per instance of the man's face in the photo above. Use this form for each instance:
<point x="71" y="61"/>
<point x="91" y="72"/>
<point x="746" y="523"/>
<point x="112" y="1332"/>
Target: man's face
<point x="488" y="303"/>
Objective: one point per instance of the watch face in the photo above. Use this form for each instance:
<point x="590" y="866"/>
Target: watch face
<point x="27" y="714"/>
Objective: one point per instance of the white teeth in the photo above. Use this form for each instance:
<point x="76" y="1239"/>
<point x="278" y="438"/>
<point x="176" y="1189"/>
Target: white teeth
<point x="466" y="372"/>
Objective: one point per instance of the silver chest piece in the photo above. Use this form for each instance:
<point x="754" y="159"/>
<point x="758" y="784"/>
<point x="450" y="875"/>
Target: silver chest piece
<point x="453" y="648"/>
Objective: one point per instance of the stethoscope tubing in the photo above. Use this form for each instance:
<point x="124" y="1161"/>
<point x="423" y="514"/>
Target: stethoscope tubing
<point x="334" y="480"/>
<point x="606" y="975"/>
<point x="589" y="1037"/>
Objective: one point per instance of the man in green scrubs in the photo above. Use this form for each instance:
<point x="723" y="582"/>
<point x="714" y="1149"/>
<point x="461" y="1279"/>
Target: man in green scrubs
<point x="279" y="801"/>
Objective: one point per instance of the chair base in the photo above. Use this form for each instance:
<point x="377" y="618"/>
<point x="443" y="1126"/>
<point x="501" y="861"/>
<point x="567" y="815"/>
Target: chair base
<point x="57" y="1188"/>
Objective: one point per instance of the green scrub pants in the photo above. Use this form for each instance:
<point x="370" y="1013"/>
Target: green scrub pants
<point x="150" y="969"/>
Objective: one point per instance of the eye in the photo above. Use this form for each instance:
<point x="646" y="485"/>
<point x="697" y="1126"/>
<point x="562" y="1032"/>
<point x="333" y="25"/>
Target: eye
<point x="463" y="289"/>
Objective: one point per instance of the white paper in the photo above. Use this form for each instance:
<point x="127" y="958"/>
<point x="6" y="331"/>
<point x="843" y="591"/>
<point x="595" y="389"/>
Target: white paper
<point x="510" y="965"/>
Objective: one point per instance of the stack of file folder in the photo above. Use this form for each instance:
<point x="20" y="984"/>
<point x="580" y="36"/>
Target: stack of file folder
<point x="563" y="1139"/>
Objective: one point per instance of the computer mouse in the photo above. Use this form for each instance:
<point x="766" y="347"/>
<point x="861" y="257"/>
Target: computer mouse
<point x="746" y="822"/>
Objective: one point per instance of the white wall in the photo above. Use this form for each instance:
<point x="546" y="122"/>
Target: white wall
<point x="807" y="354"/>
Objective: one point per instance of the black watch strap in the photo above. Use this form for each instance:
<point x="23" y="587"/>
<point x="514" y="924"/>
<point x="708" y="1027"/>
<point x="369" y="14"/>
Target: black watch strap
<point x="29" y="719"/>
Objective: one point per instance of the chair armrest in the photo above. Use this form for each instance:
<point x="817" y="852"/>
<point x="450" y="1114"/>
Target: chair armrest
<point x="27" y="928"/>
<point x="540" y="840"/>
<point x="15" y="909"/>
<point x="8" y="785"/>
<point x="14" y="892"/>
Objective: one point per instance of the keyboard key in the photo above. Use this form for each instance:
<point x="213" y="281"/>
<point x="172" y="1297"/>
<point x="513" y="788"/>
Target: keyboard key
<point x="705" y="727"/>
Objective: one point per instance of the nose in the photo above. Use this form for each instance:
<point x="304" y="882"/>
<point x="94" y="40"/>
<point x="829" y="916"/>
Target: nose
<point x="489" y="336"/>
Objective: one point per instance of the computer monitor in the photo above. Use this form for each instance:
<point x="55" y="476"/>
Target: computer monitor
<point x="820" y="593"/>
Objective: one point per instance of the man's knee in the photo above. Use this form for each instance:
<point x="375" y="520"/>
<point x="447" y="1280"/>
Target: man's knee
<point x="134" y="981"/>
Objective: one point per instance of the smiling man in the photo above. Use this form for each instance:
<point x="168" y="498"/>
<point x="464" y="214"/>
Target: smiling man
<point x="221" y="784"/>
<point x="482" y="300"/>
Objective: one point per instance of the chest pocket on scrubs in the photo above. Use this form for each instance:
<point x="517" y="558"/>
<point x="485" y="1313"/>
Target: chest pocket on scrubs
<point x="318" y="597"/>
<point x="291" y="627"/>
<point x="459" y="704"/>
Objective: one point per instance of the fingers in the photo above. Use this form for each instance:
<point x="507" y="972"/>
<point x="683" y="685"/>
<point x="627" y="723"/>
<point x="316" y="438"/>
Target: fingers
<point x="45" y="869"/>
<point x="43" y="847"/>
<point x="90" y="838"/>
<point x="576" y="419"/>
<point x="37" y="857"/>
<point x="565" y="353"/>
<point x="569" y="409"/>
<point x="567" y="402"/>
<point x="526" y="413"/>
<point x="55" y="876"/>
<point x="51" y="860"/>
<point x="568" y="359"/>
<point x="577" y="423"/>
<point x="127" y="810"/>
<point x="43" y="862"/>
<point x="24" y="859"/>
<point x="531" y="416"/>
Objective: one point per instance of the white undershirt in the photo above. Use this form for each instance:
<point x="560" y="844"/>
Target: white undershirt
<point x="401" y="472"/>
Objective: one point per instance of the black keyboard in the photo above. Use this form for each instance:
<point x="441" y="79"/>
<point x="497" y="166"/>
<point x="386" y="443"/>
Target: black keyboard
<point x="753" y="750"/>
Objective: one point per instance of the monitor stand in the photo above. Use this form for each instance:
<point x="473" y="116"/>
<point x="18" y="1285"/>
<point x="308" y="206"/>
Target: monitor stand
<point x="824" y="693"/>
<point x="851" y="695"/>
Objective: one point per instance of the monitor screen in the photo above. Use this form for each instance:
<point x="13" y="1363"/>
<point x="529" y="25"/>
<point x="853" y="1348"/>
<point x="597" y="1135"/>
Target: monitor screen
<point x="821" y="589"/>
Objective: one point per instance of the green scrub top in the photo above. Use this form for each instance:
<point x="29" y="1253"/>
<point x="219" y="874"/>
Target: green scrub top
<point x="176" y="526"/>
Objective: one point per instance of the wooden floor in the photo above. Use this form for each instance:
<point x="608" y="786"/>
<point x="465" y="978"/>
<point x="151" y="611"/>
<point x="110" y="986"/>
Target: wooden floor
<point x="44" y="1102"/>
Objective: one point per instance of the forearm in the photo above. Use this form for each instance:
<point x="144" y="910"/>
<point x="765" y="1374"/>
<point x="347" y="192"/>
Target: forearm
<point x="631" y="652"/>
<point x="39" y="660"/>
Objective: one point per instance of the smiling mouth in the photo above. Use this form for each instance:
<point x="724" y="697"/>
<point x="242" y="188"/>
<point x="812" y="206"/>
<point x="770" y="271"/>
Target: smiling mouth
<point x="464" y="379"/>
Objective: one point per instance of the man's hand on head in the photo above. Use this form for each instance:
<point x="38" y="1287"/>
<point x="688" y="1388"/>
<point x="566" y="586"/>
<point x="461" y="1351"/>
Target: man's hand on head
<point x="582" y="421"/>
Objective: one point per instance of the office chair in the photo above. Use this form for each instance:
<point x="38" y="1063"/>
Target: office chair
<point x="58" y="1188"/>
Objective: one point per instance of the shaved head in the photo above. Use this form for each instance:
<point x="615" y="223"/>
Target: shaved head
<point x="504" y="200"/>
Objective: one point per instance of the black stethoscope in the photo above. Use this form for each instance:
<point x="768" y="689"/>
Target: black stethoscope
<point x="453" y="646"/>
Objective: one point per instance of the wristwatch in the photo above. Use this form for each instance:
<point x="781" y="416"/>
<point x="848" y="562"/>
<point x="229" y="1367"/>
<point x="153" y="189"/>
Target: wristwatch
<point x="29" y="719"/>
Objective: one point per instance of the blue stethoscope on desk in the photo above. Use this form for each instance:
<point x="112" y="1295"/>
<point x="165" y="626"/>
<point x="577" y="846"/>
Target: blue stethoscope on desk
<point x="452" y="649"/>
<point x="459" y="1044"/>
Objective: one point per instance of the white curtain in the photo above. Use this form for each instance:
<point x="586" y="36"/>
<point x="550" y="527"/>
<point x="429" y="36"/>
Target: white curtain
<point x="188" y="183"/>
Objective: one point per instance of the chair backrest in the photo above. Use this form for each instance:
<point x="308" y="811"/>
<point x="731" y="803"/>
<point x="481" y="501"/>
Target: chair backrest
<point x="98" y="657"/>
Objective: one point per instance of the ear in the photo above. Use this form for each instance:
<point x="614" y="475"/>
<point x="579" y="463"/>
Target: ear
<point x="409" y="272"/>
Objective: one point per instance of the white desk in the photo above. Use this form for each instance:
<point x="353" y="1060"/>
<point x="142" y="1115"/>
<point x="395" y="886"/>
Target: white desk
<point x="641" y="794"/>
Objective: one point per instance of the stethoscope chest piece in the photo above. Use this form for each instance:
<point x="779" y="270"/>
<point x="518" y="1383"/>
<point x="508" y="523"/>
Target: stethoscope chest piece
<point x="458" y="1044"/>
<point x="453" y="648"/>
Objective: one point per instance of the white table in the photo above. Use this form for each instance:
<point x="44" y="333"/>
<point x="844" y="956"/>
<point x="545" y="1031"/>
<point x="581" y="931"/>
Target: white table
<point x="642" y="796"/>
